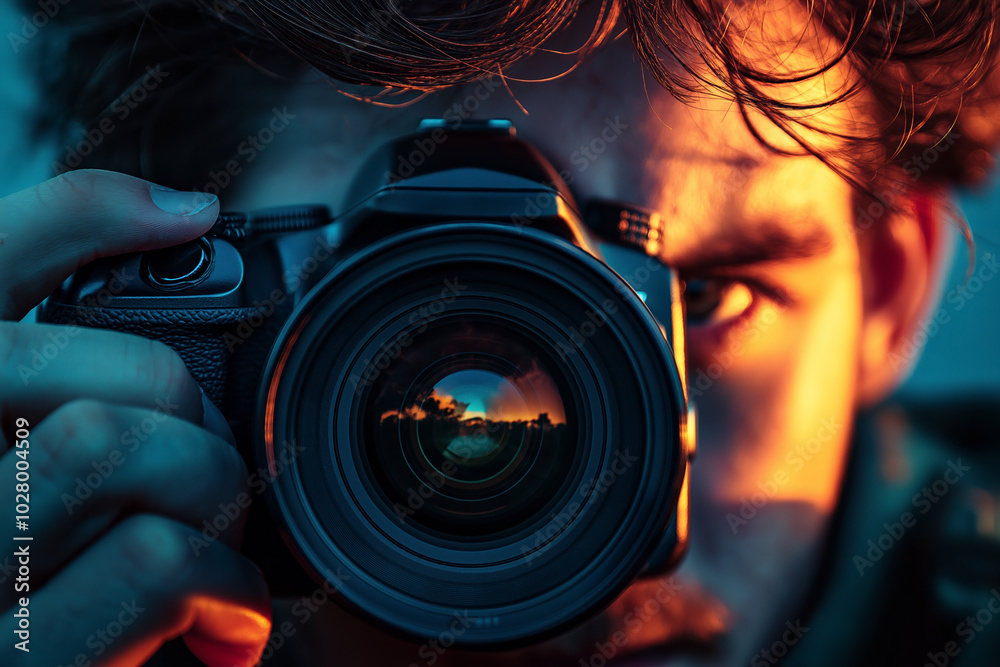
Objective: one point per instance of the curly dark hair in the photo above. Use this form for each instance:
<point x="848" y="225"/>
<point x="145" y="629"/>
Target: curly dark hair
<point x="925" y="64"/>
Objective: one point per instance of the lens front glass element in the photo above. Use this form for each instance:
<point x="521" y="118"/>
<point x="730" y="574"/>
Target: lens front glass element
<point x="472" y="419"/>
<point x="469" y="424"/>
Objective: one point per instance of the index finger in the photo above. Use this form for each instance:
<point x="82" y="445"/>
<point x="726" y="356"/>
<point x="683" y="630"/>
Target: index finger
<point x="90" y="363"/>
<point x="49" y="230"/>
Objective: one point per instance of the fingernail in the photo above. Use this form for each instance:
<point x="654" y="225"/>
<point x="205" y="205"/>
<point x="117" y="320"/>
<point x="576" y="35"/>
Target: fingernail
<point x="177" y="202"/>
<point x="213" y="420"/>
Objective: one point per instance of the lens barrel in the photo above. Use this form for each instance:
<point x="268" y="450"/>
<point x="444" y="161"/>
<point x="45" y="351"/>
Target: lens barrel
<point x="473" y="430"/>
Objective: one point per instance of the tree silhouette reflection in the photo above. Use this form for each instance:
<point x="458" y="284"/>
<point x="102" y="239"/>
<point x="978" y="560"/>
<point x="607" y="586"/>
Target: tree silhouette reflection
<point x="446" y="429"/>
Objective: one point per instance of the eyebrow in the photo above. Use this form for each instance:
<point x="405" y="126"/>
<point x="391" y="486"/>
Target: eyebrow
<point x="763" y="243"/>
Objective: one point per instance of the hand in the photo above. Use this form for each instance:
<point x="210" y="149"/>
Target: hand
<point x="120" y="474"/>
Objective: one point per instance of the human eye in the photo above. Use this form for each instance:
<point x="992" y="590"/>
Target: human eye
<point x="717" y="301"/>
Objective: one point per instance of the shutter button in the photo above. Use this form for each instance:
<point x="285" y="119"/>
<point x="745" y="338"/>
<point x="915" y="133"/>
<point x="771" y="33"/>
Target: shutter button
<point x="179" y="267"/>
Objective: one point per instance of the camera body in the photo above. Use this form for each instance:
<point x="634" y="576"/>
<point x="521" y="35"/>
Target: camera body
<point x="462" y="398"/>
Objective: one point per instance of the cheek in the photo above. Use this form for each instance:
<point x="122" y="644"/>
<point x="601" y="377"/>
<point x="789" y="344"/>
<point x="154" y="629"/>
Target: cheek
<point x="775" y="424"/>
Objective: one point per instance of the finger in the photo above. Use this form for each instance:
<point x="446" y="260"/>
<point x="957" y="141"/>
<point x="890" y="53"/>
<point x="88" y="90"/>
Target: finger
<point x="53" y="228"/>
<point x="92" y="462"/>
<point x="43" y="366"/>
<point x="140" y="586"/>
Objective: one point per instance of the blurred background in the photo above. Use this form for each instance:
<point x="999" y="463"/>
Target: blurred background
<point x="961" y="355"/>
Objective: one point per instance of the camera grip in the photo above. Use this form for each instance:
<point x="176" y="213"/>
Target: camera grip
<point x="197" y="335"/>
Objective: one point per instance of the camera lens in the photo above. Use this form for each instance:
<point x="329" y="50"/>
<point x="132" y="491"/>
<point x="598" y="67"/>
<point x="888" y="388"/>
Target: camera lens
<point x="457" y="413"/>
<point x="465" y="429"/>
<point x="473" y="427"/>
<point x="472" y="421"/>
<point x="470" y="424"/>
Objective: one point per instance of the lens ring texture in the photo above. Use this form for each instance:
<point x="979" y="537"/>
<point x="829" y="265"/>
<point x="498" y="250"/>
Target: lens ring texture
<point x="449" y="302"/>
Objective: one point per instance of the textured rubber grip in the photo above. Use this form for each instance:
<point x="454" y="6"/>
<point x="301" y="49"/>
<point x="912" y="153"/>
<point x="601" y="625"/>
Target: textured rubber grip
<point x="197" y="335"/>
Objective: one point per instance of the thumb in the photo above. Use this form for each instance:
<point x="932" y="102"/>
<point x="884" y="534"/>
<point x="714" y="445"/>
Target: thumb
<point x="49" y="230"/>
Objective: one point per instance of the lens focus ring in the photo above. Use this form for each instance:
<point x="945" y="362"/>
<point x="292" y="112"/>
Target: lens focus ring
<point x="480" y="420"/>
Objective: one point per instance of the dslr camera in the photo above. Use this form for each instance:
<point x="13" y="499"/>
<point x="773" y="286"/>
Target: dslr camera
<point x="464" y="396"/>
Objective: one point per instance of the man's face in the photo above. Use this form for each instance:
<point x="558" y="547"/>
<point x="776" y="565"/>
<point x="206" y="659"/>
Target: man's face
<point x="774" y="304"/>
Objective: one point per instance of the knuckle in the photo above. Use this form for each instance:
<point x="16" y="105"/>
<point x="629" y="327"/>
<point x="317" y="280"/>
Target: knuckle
<point x="77" y="433"/>
<point x="26" y="350"/>
<point x="83" y="194"/>
<point x="155" y="553"/>
<point x="81" y="185"/>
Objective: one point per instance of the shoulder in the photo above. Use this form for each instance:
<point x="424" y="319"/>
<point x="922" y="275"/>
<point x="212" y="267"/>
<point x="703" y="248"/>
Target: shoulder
<point x="915" y="549"/>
